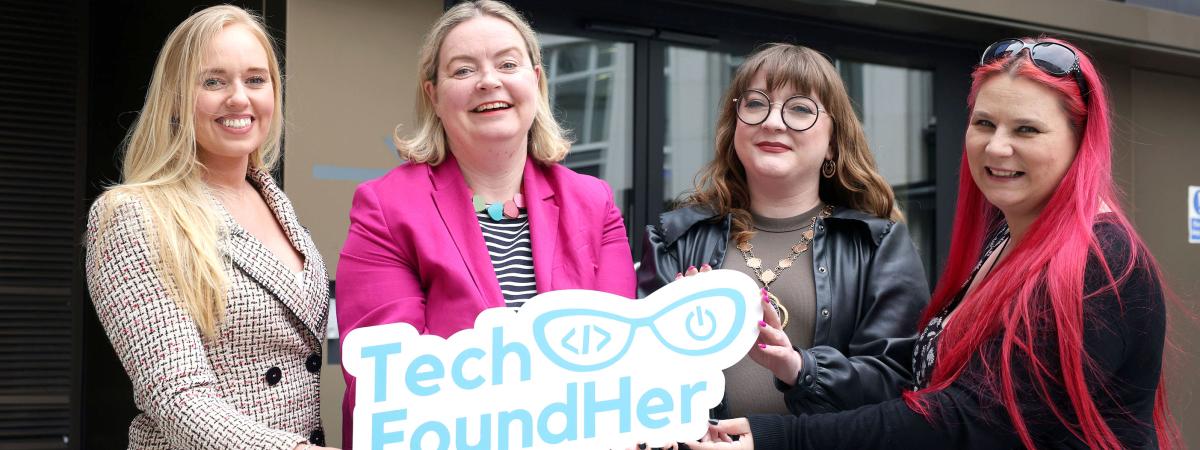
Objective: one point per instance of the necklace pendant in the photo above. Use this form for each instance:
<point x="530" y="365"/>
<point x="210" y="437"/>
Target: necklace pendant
<point x="785" y="263"/>
<point x="745" y="246"/>
<point x="767" y="276"/>
<point x="808" y="234"/>
<point x="800" y="247"/>
<point x="754" y="263"/>
<point x="496" y="211"/>
<point x="510" y="210"/>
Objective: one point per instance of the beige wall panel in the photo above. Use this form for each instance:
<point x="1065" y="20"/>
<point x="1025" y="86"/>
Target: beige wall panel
<point x="1165" y="163"/>
<point x="1117" y="80"/>
<point x="1104" y="18"/>
<point x="351" y="75"/>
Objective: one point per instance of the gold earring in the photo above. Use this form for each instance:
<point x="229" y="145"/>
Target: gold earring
<point x="829" y="168"/>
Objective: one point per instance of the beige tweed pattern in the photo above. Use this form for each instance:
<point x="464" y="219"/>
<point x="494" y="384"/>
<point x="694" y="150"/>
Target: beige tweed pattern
<point x="194" y="394"/>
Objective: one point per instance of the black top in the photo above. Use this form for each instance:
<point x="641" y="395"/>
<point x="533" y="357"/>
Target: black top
<point x="1123" y="338"/>
<point x="508" y="246"/>
<point x="925" y="350"/>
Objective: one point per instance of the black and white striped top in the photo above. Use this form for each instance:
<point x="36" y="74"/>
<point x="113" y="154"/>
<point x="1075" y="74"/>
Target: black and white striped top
<point x="512" y="256"/>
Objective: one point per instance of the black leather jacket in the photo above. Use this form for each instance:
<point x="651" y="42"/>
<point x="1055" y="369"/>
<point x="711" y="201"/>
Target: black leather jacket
<point x="870" y="286"/>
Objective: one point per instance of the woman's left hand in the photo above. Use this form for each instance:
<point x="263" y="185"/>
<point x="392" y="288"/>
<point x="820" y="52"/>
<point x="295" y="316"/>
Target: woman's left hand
<point x="718" y="436"/>
<point x="774" y="350"/>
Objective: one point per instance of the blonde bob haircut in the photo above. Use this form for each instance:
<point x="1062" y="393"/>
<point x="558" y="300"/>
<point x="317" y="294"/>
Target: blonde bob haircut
<point x="721" y="186"/>
<point x="548" y="142"/>
<point x="161" y="170"/>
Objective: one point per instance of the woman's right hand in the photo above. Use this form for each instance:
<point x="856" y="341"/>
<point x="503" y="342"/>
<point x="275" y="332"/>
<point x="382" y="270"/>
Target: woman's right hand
<point x="692" y="271"/>
<point x="774" y="350"/>
<point x="719" y="436"/>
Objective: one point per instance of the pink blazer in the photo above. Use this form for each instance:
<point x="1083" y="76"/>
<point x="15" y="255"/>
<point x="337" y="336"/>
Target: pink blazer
<point x="415" y="252"/>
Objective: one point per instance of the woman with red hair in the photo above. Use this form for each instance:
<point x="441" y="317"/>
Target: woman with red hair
<point x="1047" y="327"/>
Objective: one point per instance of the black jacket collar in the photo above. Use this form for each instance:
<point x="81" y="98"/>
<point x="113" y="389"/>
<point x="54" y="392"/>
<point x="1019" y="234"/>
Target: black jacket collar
<point x="677" y="223"/>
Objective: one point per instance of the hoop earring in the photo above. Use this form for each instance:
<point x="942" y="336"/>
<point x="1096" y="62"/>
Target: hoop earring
<point x="829" y="168"/>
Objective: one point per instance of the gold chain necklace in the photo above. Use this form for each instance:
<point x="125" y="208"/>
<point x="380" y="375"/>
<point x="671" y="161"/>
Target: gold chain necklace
<point x="766" y="276"/>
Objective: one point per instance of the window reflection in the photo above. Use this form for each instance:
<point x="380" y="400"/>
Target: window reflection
<point x="695" y="81"/>
<point x="591" y="92"/>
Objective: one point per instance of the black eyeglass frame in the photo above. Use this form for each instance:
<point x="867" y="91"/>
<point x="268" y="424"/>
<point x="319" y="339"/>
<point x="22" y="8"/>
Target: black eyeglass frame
<point x="1032" y="47"/>
<point x="771" y="107"/>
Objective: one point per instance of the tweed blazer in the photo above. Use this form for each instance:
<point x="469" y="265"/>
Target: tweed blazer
<point x="255" y="385"/>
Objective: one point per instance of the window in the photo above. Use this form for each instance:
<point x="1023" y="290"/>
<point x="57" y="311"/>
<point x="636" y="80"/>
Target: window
<point x="591" y="93"/>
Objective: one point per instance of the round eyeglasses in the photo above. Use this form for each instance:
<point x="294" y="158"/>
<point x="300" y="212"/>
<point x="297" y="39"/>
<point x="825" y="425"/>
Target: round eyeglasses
<point x="799" y="112"/>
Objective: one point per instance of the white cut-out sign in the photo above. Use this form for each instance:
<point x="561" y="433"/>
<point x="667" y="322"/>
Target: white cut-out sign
<point x="572" y="369"/>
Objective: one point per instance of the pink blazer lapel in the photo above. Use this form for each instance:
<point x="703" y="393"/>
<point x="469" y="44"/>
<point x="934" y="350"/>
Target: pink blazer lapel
<point x="453" y="201"/>
<point x="543" y="223"/>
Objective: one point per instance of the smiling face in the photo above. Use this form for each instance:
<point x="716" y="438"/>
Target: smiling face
<point x="486" y="92"/>
<point x="235" y="99"/>
<point x="1019" y="144"/>
<point x="773" y="153"/>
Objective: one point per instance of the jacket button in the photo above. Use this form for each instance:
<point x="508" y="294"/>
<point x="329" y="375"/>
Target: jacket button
<point x="821" y="269"/>
<point x="808" y="379"/>
<point x="273" y="376"/>
<point x="824" y="312"/>
<point x="317" y="437"/>
<point x="313" y="363"/>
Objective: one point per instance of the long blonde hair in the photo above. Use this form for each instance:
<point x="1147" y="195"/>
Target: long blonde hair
<point x="721" y="186"/>
<point x="548" y="142"/>
<point x="161" y="170"/>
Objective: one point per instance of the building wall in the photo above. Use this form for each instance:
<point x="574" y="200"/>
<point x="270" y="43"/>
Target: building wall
<point x="1164" y="163"/>
<point x="351" y="80"/>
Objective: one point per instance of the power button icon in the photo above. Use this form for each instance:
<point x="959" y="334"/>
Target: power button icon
<point x="701" y="319"/>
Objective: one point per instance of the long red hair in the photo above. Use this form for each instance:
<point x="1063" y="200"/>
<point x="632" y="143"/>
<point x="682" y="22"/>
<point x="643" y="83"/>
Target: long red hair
<point x="1018" y="308"/>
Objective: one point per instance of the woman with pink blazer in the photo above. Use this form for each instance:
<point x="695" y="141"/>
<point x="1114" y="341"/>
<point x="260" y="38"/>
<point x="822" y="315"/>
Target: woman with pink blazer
<point x="481" y="215"/>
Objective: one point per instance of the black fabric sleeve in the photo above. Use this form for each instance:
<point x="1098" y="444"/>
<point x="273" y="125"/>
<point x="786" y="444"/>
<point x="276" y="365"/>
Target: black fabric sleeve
<point x="1124" y="329"/>
<point x="877" y="362"/>
<point x="658" y="267"/>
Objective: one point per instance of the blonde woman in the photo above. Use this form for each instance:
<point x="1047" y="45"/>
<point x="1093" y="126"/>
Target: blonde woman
<point x="793" y="199"/>
<point x="482" y="215"/>
<point x="211" y="293"/>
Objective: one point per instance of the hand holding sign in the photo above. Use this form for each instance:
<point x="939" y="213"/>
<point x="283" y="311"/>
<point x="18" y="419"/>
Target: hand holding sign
<point x="774" y="349"/>
<point x="568" y="371"/>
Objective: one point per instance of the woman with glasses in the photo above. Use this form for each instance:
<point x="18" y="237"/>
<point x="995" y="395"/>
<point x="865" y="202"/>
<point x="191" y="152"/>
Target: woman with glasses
<point x="1047" y="327"/>
<point x="793" y="200"/>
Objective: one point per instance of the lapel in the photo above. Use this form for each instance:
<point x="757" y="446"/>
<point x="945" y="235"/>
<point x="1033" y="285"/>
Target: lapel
<point x="452" y="198"/>
<point x="260" y="264"/>
<point x="543" y="222"/>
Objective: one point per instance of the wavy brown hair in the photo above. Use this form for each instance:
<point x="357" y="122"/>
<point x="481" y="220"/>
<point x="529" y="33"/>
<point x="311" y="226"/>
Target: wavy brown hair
<point x="721" y="186"/>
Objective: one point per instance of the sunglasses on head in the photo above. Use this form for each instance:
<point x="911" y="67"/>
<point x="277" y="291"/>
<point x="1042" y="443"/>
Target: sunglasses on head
<point x="1051" y="57"/>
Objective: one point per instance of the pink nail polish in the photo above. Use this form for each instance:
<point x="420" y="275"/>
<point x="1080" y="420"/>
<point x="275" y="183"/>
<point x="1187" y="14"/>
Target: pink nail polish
<point x="762" y="345"/>
<point x="691" y="268"/>
<point x="706" y="267"/>
<point x="762" y="324"/>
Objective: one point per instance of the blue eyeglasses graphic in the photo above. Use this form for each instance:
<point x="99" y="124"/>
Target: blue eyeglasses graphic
<point x="584" y="340"/>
